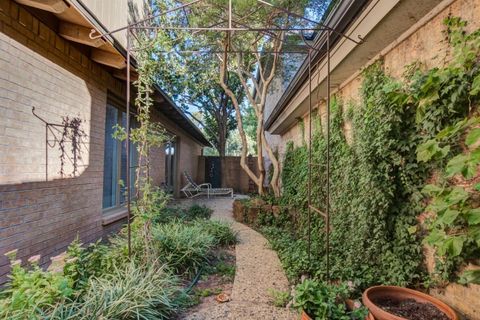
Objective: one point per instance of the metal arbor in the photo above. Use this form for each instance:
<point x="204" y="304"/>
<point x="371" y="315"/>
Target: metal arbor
<point x="227" y="26"/>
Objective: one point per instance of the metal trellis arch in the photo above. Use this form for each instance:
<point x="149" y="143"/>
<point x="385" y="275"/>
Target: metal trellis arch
<point x="232" y="25"/>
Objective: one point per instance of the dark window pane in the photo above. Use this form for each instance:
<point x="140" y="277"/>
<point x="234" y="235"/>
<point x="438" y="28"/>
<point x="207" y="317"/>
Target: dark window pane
<point x="133" y="161"/>
<point x="110" y="160"/>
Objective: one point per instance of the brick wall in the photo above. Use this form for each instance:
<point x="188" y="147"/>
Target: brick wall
<point x="40" y="214"/>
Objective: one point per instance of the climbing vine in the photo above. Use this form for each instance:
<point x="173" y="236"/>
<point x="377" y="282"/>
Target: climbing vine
<point x="377" y="179"/>
<point x="146" y="135"/>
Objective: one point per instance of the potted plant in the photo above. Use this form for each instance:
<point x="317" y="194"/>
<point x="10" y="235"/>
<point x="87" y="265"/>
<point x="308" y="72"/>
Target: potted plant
<point x="318" y="300"/>
<point x="397" y="303"/>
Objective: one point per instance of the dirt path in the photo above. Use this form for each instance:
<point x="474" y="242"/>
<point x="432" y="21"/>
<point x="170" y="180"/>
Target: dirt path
<point x="258" y="270"/>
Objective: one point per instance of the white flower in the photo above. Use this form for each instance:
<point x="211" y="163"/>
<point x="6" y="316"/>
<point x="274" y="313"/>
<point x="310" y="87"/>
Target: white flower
<point x="11" y="254"/>
<point x="34" y="259"/>
<point x="16" y="263"/>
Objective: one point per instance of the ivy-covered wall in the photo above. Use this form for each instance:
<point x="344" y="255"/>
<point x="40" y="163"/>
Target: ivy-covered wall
<point x="422" y="86"/>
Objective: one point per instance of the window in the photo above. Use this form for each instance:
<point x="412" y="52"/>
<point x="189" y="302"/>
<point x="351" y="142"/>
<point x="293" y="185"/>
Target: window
<point x="170" y="159"/>
<point x="115" y="161"/>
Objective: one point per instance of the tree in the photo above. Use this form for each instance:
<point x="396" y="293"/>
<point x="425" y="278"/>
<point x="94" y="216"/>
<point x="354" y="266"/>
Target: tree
<point x="253" y="56"/>
<point x="191" y="79"/>
<point x="255" y="61"/>
<point x="202" y="91"/>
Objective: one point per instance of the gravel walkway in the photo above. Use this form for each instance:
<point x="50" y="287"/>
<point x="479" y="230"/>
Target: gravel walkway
<point x="258" y="269"/>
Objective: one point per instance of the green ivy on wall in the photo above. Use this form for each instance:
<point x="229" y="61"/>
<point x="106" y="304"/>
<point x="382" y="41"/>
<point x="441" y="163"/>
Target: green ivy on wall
<point x="376" y="180"/>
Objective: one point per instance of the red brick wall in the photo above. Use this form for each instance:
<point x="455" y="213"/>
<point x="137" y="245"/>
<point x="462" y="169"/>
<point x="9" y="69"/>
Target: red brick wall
<point x="39" y="68"/>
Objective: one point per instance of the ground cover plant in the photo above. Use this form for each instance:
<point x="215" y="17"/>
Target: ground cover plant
<point x="404" y="131"/>
<point x="100" y="281"/>
<point x="191" y="213"/>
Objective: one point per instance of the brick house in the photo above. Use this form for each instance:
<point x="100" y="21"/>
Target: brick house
<point x="48" y="61"/>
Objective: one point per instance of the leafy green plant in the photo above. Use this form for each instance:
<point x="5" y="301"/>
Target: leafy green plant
<point x="292" y="252"/>
<point x="221" y="231"/>
<point x="184" y="247"/>
<point x="454" y="228"/>
<point x="133" y="292"/>
<point x="32" y="291"/>
<point x="321" y="301"/>
<point x="199" y="212"/>
<point x="191" y="213"/>
<point x="82" y="263"/>
<point x="279" y="298"/>
<point x="207" y="292"/>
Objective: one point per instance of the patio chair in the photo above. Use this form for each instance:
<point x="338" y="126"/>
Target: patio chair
<point x="192" y="190"/>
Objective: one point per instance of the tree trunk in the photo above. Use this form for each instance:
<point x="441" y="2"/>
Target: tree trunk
<point x="238" y="115"/>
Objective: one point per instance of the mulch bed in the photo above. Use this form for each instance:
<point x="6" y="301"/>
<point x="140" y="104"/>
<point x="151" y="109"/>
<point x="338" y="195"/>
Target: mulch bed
<point x="411" y="309"/>
<point x="212" y="284"/>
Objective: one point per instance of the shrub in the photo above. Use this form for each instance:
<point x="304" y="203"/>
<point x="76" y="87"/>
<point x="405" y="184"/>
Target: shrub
<point x="84" y="263"/>
<point x="199" y="212"/>
<point x="175" y="213"/>
<point x="220" y="231"/>
<point x="322" y="301"/>
<point x="32" y="291"/>
<point x="183" y="246"/>
<point x="130" y="293"/>
<point x="167" y="215"/>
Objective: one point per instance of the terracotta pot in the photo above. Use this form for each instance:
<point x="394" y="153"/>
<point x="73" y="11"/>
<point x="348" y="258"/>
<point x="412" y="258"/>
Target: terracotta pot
<point x="399" y="293"/>
<point x="305" y="316"/>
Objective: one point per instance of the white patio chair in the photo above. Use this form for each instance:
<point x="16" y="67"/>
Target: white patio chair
<point x="192" y="190"/>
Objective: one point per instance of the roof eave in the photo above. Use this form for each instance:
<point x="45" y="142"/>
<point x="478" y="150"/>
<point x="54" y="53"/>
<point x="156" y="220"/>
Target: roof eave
<point x="339" y="19"/>
<point x="188" y="126"/>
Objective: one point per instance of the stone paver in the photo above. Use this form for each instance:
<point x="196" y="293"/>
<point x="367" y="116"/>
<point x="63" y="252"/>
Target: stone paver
<point x="258" y="269"/>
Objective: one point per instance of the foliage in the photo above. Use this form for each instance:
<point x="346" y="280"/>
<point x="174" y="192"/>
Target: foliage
<point x="373" y="191"/>
<point x="194" y="212"/>
<point x="96" y="260"/>
<point x="184" y="247"/>
<point x="292" y="252"/>
<point x="133" y="292"/>
<point x="84" y="263"/>
<point x="225" y="270"/>
<point x="322" y="301"/>
<point x="221" y="231"/>
<point x="199" y="212"/>
<point x="279" y="298"/>
<point x="454" y="227"/>
<point x="32" y="291"/>
<point x="400" y="132"/>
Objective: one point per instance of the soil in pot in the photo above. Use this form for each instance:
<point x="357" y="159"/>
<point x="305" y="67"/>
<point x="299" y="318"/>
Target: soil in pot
<point x="411" y="309"/>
